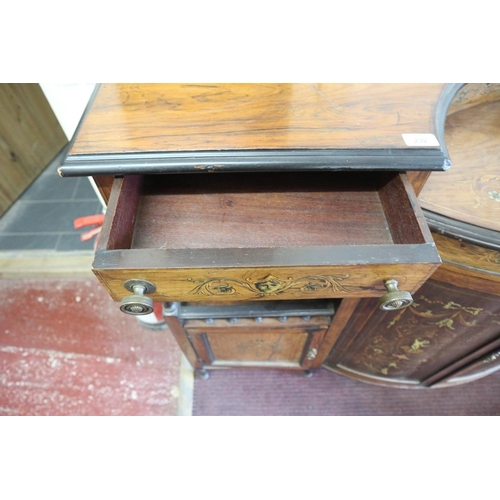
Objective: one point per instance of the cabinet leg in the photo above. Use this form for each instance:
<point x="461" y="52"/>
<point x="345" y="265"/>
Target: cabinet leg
<point x="308" y="373"/>
<point x="203" y="374"/>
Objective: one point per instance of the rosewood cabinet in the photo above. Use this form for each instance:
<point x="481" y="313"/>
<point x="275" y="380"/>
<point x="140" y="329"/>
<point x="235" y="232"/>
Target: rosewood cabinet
<point x="272" y="221"/>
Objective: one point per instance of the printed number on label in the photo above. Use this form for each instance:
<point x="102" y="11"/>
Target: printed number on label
<point x="420" y="140"/>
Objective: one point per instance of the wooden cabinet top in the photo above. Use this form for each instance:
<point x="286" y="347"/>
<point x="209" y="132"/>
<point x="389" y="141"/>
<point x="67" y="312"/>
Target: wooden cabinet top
<point x="465" y="202"/>
<point x="174" y="127"/>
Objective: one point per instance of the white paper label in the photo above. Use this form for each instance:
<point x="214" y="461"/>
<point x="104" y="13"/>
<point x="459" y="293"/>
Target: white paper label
<point x="420" y="140"/>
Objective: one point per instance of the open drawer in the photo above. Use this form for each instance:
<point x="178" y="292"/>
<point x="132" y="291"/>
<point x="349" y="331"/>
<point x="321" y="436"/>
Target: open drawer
<point x="251" y="236"/>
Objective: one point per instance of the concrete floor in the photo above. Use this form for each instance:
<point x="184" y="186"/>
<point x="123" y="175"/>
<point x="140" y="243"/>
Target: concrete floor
<point x="65" y="347"/>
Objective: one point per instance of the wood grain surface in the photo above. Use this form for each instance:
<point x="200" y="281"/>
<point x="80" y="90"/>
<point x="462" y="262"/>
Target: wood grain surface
<point x="266" y="283"/>
<point x="466" y="255"/>
<point x="266" y="210"/>
<point x="474" y="94"/>
<point x="470" y="190"/>
<point x="30" y="137"/>
<point x="178" y="332"/>
<point x="343" y="240"/>
<point x="338" y="323"/>
<point x="262" y="211"/>
<point x="468" y="266"/>
<point x="117" y="231"/>
<point x="456" y="313"/>
<point x="105" y="185"/>
<point x="484" y="365"/>
<point x="197" y="117"/>
<point x="270" y="343"/>
<point x="445" y="324"/>
<point x="417" y="180"/>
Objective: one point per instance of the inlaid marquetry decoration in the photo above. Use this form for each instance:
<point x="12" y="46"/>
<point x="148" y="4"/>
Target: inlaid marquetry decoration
<point x="433" y="326"/>
<point x="487" y="191"/>
<point x="271" y="285"/>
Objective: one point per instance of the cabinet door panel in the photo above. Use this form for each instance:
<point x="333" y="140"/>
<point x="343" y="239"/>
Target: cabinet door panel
<point x="256" y="346"/>
<point x="445" y="324"/>
<point x="263" y="348"/>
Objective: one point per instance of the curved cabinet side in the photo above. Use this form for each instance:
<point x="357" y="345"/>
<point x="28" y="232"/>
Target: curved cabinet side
<point x="455" y="315"/>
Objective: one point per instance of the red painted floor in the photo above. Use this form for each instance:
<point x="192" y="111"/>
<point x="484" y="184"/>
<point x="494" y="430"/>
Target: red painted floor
<point x="66" y="349"/>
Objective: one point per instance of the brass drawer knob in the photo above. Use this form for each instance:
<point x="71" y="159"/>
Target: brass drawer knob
<point x="394" y="299"/>
<point x="138" y="304"/>
<point x="312" y="354"/>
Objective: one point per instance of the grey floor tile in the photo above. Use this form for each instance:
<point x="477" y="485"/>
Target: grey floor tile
<point x="46" y="217"/>
<point x="84" y="190"/>
<point x="42" y="219"/>
<point x="28" y="242"/>
<point x="51" y="187"/>
<point x="69" y="242"/>
<point x="14" y="213"/>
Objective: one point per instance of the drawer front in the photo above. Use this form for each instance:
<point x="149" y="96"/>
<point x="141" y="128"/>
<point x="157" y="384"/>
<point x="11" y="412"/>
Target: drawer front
<point x="295" y="236"/>
<point x="293" y="344"/>
<point x="280" y="283"/>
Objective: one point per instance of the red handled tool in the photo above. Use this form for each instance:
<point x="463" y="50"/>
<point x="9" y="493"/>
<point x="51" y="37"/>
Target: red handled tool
<point x="90" y="220"/>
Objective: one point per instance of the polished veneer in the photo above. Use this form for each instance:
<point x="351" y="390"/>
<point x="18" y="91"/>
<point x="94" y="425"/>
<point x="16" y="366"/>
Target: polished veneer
<point x="469" y="192"/>
<point x="231" y="117"/>
<point x="259" y="127"/>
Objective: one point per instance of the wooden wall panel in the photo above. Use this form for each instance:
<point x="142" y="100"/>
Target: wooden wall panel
<point x="30" y="137"/>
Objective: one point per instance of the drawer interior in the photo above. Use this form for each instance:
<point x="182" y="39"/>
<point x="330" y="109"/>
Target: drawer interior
<point x="266" y="210"/>
<point x="253" y="236"/>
